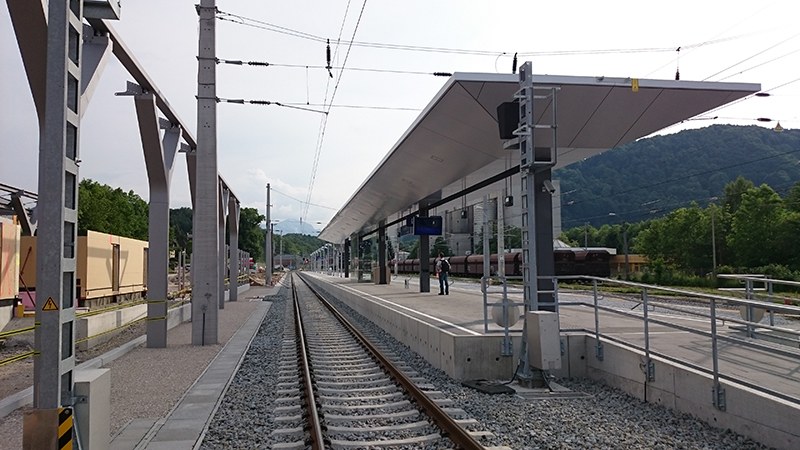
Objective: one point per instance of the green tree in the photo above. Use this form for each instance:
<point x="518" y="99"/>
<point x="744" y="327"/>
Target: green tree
<point x="180" y="224"/>
<point x="734" y="192"/>
<point x="440" y="246"/>
<point x="756" y="228"/>
<point x="107" y="210"/>
<point x="682" y="239"/>
<point x="792" y="201"/>
<point x="251" y="235"/>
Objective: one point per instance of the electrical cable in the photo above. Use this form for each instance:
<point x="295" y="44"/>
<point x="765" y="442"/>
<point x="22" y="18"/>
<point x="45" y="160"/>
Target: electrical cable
<point x="242" y="20"/>
<point x="302" y="202"/>
<point x="759" y="65"/>
<point x="240" y="101"/>
<point x="302" y="66"/>
<point x="391" y="108"/>
<point x="325" y="120"/>
<point x="714" y="39"/>
<point x="752" y="56"/>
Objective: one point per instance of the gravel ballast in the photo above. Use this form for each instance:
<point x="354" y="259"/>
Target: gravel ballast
<point x="607" y="419"/>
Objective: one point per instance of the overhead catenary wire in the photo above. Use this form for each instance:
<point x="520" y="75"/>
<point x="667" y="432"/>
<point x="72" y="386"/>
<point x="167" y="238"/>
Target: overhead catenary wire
<point x="240" y="101"/>
<point x="339" y="68"/>
<point x="714" y="40"/>
<point x="321" y="139"/>
<point x="752" y="56"/>
<point x="255" y="23"/>
<point x="303" y="202"/>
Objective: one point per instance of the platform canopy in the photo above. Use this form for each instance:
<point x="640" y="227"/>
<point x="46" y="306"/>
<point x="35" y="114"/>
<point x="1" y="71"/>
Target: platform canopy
<point x="457" y="133"/>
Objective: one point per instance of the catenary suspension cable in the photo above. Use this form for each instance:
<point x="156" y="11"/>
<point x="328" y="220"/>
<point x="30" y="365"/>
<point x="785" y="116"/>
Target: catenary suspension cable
<point x="237" y="62"/>
<point x="246" y="21"/>
<point x="752" y="56"/>
<point x="325" y="120"/>
<point x="696" y="46"/>
<point x="303" y="202"/>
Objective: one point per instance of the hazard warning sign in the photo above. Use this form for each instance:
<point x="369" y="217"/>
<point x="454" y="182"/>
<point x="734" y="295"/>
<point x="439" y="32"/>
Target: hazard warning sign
<point x="50" y="305"/>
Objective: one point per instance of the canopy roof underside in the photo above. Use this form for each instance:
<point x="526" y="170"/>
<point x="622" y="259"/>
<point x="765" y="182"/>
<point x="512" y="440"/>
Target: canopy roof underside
<point x="457" y="133"/>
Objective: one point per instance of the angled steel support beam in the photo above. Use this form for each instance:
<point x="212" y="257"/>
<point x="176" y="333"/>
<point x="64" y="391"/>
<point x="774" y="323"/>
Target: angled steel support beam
<point x="224" y="196"/>
<point x="29" y="18"/>
<point x="159" y="155"/>
<point x="30" y="26"/>
<point x="96" y="51"/>
<point x="28" y="225"/>
<point x="235" y="263"/>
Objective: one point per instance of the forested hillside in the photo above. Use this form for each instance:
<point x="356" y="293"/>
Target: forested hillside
<point x="651" y="177"/>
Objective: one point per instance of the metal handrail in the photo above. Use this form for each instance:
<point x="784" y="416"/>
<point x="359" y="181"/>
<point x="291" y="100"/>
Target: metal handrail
<point x="718" y="392"/>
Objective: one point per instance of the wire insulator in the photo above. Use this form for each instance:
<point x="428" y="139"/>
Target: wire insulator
<point x="514" y="64"/>
<point x="328" y="55"/>
<point x="258" y="63"/>
<point x="442" y="74"/>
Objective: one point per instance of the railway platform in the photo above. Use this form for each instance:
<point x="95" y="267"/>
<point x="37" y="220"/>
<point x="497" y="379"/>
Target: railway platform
<point x="761" y="389"/>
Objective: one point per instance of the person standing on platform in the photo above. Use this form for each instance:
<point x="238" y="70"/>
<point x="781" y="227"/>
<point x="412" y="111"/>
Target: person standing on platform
<point x="442" y="269"/>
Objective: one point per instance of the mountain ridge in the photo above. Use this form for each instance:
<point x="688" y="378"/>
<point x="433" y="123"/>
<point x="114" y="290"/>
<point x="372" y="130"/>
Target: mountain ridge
<point x="653" y="176"/>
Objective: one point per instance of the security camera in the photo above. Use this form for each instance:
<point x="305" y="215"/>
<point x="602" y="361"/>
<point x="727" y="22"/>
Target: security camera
<point x="547" y="186"/>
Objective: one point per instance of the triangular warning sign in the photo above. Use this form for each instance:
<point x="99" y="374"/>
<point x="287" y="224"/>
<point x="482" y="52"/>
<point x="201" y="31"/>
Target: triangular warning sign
<point x="50" y="305"/>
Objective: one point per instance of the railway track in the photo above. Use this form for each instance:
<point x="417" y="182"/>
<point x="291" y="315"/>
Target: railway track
<point x="338" y="390"/>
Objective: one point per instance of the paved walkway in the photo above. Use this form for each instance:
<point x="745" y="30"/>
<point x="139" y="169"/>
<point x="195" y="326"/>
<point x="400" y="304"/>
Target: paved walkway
<point x="185" y="425"/>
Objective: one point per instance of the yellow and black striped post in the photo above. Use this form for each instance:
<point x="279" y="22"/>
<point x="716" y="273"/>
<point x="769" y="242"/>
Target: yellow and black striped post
<point x="47" y="429"/>
<point x="65" y="429"/>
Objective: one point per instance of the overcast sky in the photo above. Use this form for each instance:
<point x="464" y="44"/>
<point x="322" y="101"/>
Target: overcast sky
<point x="731" y="40"/>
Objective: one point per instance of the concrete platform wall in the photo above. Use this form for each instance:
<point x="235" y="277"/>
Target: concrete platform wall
<point x="766" y="419"/>
<point x="462" y="357"/>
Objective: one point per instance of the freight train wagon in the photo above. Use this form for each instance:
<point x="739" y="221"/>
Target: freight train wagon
<point x="568" y="261"/>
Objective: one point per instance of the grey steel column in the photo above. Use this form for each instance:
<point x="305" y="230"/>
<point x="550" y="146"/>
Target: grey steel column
<point x="424" y="252"/>
<point x="382" y="252"/>
<point x="205" y="260"/>
<point x="224" y="195"/>
<point x="54" y="358"/>
<point x="235" y="256"/>
<point x="545" y="263"/>
<point x="346" y="261"/>
<point x="159" y="157"/>
<point x="268" y="263"/>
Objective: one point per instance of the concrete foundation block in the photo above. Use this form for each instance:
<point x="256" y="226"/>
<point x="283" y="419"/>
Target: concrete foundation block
<point x="93" y="416"/>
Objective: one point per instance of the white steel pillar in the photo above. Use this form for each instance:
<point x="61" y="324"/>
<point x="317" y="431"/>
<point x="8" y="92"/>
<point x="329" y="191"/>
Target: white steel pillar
<point x="205" y="260"/>
<point x="54" y="358"/>
<point x="235" y="258"/>
<point x="224" y="196"/>
<point x="159" y="156"/>
<point x="268" y="263"/>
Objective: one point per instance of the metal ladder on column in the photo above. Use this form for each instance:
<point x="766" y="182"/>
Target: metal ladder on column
<point x="532" y="158"/>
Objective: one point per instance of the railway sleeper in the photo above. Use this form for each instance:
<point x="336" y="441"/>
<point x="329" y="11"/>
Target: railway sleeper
<point x="287" y="431"/>
<point x="335" y="430"/>
<point x="334" y="385"/>
<point x="360" y="398"/>
<point x="284" y="419"/>
<point x="383" y="406"/>
<point x="297" y="445"/>
<point x="418" y="440"/>
<point x="410" y="414"/>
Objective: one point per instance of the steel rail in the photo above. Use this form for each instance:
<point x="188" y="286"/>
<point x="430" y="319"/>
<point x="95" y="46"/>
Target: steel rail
<point x="460" y="437"/>
<point x="317" y="438"/>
